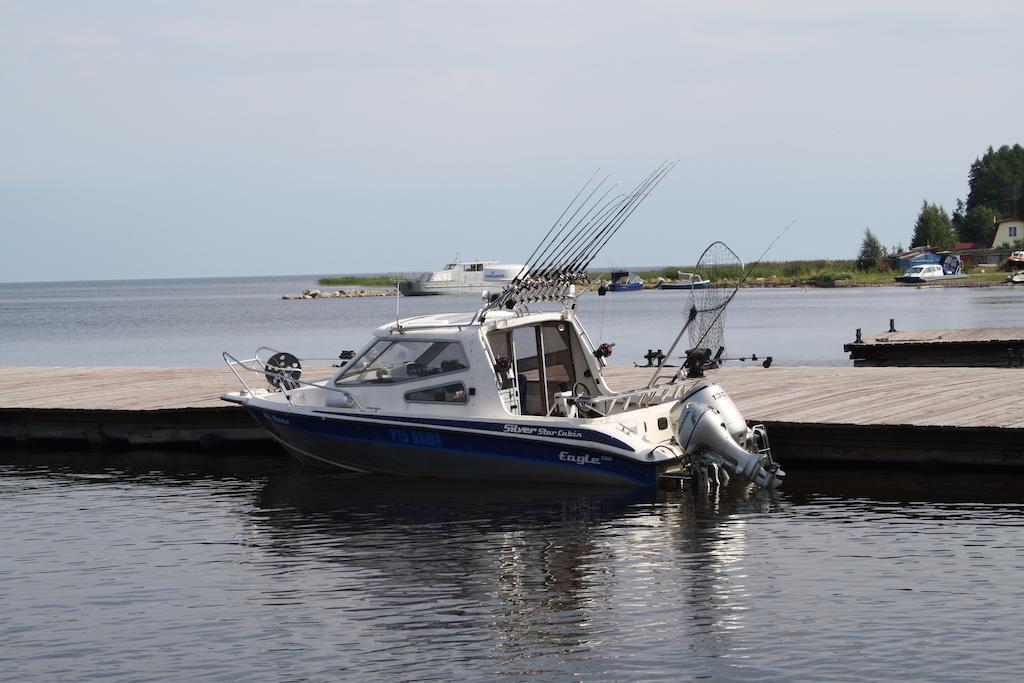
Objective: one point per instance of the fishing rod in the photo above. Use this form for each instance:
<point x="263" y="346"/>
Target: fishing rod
<point x="556" y="238"/>
<point x="562" y="259"/>
<point x="584" y="233"/>
<point x="554" y="253"/>
<point x="572" y="243"/>
<point x="627" y="210"/>
<point x="581" y="251"/>
<point x="564" y="211"/>
<point x="577" y="252"/>
<point x="563" y="268"/>
<point x="551" y="266"/>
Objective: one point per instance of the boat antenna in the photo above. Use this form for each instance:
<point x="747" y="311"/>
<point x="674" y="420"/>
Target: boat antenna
<point x="398" y="302"/>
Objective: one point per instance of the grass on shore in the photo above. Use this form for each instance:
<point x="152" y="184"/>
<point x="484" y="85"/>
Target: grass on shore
<point x="816" y="273"/>
<point x="360" y="281"/>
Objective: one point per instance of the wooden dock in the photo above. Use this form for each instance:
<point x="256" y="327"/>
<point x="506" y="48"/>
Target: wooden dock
<point x="995" y="347"/>
<point x="960" y="416"/>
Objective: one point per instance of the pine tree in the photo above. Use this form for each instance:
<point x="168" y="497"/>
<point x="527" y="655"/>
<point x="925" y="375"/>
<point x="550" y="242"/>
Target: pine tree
<point x="871" y="252"/>
<point x="933" y="228"/>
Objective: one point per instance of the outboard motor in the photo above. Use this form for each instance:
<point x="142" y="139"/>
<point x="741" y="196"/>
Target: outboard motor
<point x="712" y="428"/>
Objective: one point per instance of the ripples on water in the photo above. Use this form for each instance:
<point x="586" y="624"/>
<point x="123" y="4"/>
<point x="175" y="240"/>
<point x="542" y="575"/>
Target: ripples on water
<point x="157" y="566"/>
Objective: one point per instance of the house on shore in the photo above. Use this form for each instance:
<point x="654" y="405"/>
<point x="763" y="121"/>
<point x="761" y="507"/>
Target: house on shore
<point x="917" y="256"/>
<point x="1007" y="232"/>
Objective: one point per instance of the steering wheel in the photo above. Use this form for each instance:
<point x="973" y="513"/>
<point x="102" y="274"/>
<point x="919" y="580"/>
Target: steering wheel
<point x="581" y="390"/>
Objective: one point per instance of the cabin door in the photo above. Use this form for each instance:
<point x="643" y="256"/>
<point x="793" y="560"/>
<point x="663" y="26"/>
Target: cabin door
<point x="543" y="365"/>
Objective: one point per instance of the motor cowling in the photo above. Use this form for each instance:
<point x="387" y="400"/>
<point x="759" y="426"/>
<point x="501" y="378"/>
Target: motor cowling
<point x="716" y="430"/>
<point x="714" y="396"/>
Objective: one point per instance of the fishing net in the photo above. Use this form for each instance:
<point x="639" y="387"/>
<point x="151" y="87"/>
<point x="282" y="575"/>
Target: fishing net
<point x="720" y="266"/>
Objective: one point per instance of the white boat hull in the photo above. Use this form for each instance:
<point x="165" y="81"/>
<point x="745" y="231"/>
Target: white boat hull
<point x="419" y="288"/>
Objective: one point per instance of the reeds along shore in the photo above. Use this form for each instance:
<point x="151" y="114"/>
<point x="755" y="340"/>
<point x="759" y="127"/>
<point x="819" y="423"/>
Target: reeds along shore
<point x="820" y="273"/>
<point x="340" y="294"/>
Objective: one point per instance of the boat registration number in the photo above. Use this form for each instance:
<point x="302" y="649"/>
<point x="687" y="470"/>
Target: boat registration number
<point x="415" y="437"/>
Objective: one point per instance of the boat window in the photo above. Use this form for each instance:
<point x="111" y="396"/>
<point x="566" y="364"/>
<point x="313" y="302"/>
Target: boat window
<point x="448" y="393"/>
<point x="528" y="371"/>
<point x="558" y="357"/>
<point x="390" y="361"/>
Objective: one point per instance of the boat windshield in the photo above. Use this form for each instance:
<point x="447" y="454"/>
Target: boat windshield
<point x="390" y="361"/>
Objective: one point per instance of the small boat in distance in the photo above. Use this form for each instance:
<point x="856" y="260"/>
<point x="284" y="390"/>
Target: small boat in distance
<point x="1016" y="260"/>
<point x="462" y="277"/>
<point x="925" y="273"/>
<point x="950" y="267"/>
<point x="624" y="281"/>
<point x="685" y="281"/>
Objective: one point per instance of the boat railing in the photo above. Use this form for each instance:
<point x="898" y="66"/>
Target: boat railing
<point x="287" y="382"/>
<point x="622" y="401"/>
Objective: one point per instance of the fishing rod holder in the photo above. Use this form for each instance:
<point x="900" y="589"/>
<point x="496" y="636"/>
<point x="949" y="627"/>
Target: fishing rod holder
<point x="766" y="362"/>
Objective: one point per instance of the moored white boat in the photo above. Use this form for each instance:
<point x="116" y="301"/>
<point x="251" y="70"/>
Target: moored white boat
<point x="462" y="277"/>
<point x="505" y="393"/>
<point x="685" y="281"/>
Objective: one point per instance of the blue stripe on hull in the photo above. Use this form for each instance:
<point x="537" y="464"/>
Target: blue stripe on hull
<point x="579" y="433"/>
<point x="447" y="453"/>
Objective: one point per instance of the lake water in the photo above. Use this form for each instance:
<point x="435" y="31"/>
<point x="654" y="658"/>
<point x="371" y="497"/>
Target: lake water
<point x="190" y="322"/>
<point x="182" y="567"/>
<point x="217" y="566"/>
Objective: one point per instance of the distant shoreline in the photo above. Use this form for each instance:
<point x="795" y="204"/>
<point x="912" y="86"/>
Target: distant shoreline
<point x="821" y="280"/>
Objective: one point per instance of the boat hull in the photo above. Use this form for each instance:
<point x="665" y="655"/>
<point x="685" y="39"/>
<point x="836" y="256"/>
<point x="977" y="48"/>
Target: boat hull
<point x="627" y="287"/>
<point x="391" y="445"/>
<point x="675" y="285"/>
<point x="913" y="279"/>
<point x="415" y="288"/>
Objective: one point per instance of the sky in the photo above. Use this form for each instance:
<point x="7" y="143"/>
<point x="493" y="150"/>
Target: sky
<point x="148" y="139"/>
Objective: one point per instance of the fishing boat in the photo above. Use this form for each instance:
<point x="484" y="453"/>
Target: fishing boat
<point x="685" y="281"/>
<point x="1016" y="277"/>
<point x="461" y="277"/>
<point x="1016" y="260"/>
<point x="624" y="281"/>
<point x="509" y="392"/>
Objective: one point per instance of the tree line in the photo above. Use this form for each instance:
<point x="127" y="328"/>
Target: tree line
<point x="995" y="184"/>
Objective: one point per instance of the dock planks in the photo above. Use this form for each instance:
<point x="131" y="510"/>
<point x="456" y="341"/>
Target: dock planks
<point x="957" y="397"/>
<point x="868" y="414"/>
<point x="983" y="347"/>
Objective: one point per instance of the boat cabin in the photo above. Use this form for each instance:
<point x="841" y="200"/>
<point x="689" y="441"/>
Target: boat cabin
<point x="531" y="362"/>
